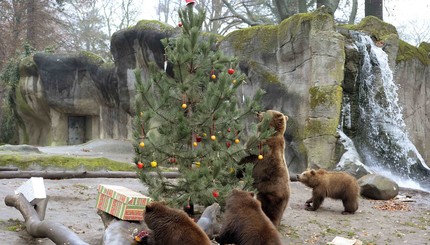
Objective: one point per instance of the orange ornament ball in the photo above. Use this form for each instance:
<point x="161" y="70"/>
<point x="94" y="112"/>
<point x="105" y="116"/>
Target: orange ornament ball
<point x="213" y="137"/>
<point x="213" y="76"/>
<point x="184" y="106"/>
<point x="260" y="157"/>
<point x="237" y="141"/>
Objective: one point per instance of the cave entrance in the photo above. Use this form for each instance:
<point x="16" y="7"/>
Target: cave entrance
<point x="77" y="130"/>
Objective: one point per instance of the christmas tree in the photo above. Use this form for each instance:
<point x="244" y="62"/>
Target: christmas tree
<point x="191" y="120"/>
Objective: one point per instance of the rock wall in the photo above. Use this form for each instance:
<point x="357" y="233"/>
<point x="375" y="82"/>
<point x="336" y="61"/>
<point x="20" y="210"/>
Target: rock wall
<point x="56" y="89"/>
<point x="300" y="64"/>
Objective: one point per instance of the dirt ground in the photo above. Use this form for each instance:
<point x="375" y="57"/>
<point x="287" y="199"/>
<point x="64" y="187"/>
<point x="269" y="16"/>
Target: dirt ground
<point x="72" y="203"/>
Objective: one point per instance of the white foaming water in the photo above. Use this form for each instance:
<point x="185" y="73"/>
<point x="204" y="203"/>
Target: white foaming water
<point x="384" y="144"/>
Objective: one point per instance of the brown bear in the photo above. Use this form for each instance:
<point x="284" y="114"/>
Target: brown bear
<point x="244" y="222"/>
<point x="172" y="226"/>
<point x="271" y="177"/>
<point x="336" y="185"/>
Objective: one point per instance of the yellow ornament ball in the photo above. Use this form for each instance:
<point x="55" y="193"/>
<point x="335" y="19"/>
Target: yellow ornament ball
<point x="204" y="135"/>
<point x="195" y="144"/>
<point x="234" y="81"/>
<point x="231" y="170"/>
<point x="153" y="164"/>
<point x="141" y="144"/>
<point x="184" y="106"/>
<point x="198" y="164"/>
<point x="260" y="157"/>
<point x="213" y="137"/>
<point x="237" y="141"/>
<point x="213" y="76"/>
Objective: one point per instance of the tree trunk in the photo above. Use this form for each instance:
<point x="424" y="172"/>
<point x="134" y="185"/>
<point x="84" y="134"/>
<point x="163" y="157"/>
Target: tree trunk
<point x="77" y="174"/>
<point x="122" y="232"/>
<point x="31" y="22"/>
<point x="353" y="14"/>
<point x="39" y="228"/>
<point x="374" y="8"/>
<point x="330" y="4"/>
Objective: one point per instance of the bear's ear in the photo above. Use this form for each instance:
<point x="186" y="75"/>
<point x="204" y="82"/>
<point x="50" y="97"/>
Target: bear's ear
<point x="149" y="207"/>
<point x="251" y="193"/>
<point x="286" y="118"/>
<point x="313" y="172"/>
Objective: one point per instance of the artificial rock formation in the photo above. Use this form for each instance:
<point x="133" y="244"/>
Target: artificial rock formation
<point x="306" y="64"/>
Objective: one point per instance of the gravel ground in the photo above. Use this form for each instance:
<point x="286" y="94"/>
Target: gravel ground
<point x="72" y="203"/>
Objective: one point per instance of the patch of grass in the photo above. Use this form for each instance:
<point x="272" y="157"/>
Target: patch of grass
<point x="289" y="231"/>
<point x="15" y="225"/>
<point x="26" y="162"/>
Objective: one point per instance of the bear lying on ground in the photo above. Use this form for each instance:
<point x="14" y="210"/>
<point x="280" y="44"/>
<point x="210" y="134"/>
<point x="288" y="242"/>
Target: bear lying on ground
<point x="173" y="227"/>
<point x="336" y="185"/>
<point x="244" y="222"/>
<point x="271" y="177"/>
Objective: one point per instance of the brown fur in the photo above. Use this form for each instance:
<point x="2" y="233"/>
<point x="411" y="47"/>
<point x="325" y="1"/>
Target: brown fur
<point x="172" y="227"/>
<point x="245" y="223"/>
<point x="336" y="185"/>
<point x="271" y="177"/>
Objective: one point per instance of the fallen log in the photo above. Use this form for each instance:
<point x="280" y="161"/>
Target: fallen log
<point x="39" y="228"/>
<point x="122" y="232"/>
<point x="78" y="174"/>
<point x="8" y="169"/>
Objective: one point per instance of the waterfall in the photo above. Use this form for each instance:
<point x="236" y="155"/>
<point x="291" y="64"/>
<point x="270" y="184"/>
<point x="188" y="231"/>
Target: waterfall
<point x="382" y="140"/>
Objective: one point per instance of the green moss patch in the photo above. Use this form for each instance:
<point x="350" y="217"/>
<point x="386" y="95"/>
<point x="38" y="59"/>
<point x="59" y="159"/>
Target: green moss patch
<point x="256" y="38"/>
<point x="152" y="25"/>
<point x="26" y="162"/>
<point x="374" y="27"/>
<point x="409" y="52"/>
<point x="325" y="96"/>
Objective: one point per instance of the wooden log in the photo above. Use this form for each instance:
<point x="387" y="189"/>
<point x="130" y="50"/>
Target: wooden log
<point x="8" y="169"/>
<point x="38" y="228"/>
<point x="78" y="174"/>
<point x="122" y="232"/>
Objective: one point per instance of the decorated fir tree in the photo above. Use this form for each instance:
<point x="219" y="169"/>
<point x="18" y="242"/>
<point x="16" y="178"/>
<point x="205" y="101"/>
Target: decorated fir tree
<point x="193" y="121"/>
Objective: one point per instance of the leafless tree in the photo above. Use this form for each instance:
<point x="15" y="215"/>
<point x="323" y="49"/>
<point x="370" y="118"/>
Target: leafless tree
<point x="416" y="33"/>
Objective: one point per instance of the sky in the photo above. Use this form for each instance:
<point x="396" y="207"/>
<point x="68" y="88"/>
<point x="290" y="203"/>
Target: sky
<point x="406" y="15"/>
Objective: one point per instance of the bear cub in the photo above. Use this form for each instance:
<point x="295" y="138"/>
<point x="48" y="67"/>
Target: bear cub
<point x="336" y="185"/>
<point x="172" y="226"/>
<point x="271" y="177"/>
<point x="244" y="222"/>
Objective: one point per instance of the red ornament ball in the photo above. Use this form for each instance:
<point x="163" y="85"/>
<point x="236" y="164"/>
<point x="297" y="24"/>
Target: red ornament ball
<point x="180" y="24"/>
<point x="228" y="144"/>
<point x="140" y="165"/>
<point x="215" y="194"/>
<point x="230" y="71"/>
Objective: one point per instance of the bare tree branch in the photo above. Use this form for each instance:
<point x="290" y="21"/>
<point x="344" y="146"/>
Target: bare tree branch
<point x="39" y="228"/>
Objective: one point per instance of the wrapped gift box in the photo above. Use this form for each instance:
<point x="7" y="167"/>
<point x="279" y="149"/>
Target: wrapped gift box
<point x="121" y="202"/>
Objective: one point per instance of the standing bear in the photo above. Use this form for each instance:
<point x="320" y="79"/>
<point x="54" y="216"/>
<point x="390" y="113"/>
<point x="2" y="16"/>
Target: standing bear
<point x="244" y="222"/>
<point x="172" y="226"/>
<point x="336" y="185"/>
<point x="270" y="172"/>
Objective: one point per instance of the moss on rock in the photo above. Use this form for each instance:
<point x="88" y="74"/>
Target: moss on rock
<point x="256" y="38"/>
<point x="152" y="25"/>
<point x="374" y="27"/>
<point x="409" y="52"/>
<point x="325" y="96"/>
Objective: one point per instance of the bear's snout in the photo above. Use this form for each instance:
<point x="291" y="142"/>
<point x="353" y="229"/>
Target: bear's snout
<point x="298" y="177"/>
